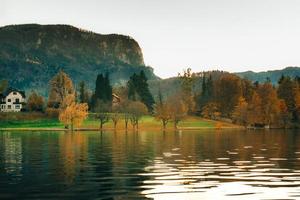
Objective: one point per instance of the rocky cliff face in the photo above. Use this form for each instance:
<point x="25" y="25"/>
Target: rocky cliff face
<point x="31" y="54"/>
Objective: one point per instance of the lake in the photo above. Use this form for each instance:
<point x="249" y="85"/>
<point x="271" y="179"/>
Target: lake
<point x="185" y="165"/>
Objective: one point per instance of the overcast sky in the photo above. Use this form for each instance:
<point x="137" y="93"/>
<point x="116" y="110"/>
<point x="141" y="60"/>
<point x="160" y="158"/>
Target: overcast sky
<point x="231" y="35"/>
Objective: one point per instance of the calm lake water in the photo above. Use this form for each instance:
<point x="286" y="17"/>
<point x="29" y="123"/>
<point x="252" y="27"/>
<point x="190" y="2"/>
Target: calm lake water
<point x="187" y="165"/>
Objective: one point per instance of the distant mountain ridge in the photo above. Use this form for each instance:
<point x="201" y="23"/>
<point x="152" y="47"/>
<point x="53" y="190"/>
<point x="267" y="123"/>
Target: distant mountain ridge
<point x="31" y="54"/>
<point x="273" y="75"/>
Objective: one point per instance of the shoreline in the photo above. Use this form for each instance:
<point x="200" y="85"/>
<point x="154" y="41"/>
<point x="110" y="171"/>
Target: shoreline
<point x="85" y="129"/>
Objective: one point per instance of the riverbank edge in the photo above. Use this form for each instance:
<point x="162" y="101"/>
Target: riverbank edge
<point x="112" y="129"/>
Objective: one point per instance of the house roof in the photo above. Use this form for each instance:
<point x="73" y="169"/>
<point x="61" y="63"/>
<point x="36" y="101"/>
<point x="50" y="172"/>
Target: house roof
<point x="9" y="90"/>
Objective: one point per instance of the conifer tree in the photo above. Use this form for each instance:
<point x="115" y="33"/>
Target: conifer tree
<point x="138" y="90"/>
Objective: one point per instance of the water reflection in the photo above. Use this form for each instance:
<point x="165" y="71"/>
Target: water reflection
<point x="12" y="155"/>
<point x="73" y="154"/>
<point x="235" y="169"/>
<point x="155" y="165"/>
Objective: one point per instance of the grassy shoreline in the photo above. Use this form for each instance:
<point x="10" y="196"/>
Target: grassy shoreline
<point x="91" y="124"/>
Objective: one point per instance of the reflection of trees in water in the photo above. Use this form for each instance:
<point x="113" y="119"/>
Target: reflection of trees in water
<point x="129" y="156"/>
<point x="73" y="154"/>
<point x="13" y="155"/>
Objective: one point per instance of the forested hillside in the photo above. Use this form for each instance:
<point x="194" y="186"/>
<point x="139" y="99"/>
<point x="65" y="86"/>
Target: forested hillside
<point x="31" y="54"/>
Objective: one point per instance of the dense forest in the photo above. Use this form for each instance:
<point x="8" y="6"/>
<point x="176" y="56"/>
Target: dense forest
<point x="226" y="96"/>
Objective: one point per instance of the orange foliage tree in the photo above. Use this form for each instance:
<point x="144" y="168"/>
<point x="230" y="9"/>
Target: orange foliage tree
<point x="211" y="111"/>
<point x="240" y="114"/>
<point x="254" y="110"/>
<point x="227" y="91"/>
<point x="35" y="102"/>
<point x="284" y="115"/>
<point x="270" y="103"/>
<point x="73" y="114"/>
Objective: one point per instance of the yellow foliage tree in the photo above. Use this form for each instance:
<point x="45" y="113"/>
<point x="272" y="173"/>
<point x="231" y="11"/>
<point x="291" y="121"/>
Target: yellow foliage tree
<point x="73" y="114"/>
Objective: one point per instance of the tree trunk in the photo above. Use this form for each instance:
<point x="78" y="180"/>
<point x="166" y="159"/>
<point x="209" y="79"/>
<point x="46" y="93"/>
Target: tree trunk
<point x="126" y="123"/>
<point x="101" y="125"/>
<point x="164" y="124"/>
<point x="175" y="125"/>
<point x="72" y="125"/>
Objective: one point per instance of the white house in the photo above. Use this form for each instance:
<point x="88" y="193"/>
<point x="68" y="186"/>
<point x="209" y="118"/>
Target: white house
<point x="12" y="100"/>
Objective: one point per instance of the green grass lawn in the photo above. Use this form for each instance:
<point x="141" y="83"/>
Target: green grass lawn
<point x="38" y="123"/>
<point x="91" y="122"/>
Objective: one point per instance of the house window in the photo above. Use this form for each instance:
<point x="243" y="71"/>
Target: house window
<point x="17" y="100"/>
<point x="17" y="106"/>
<point x="9" y="107"/>
<point x="14" y="93"/>
<point x="8" y="100"/>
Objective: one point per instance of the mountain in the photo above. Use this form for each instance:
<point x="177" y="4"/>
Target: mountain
<point x="273" y="75"/>
<point x="31" y="54"/>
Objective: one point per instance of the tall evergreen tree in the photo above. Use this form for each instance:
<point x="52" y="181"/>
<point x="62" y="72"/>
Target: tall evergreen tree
<point x="203" y="85"/>
<point x="108" y="89"/>
<point x="83" y="93"/>
<point x="103" y="90"/>
<point x="138" y="89"/>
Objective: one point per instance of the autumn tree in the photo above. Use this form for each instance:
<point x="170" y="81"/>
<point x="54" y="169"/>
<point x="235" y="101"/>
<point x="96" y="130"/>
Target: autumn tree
<point x="60" y="87"/>
<point x="102" y="110"/>
<point x="227" y="91"/>
<point x="116" y="115"/>
<point x="124" y="107"/>
<point x="211" y="111"/>
<point x="74" y="113"/>
<point x="284" y="115"/>
<point x="270" y="103"/>
<point x="247" y="89"/>
<point x="255" y="110"/>
<point x="136" y="109"/>
<point x="35" y="102"/>
<point x="178" y="110"/>
<point x="240" y="113"/>
<point x="162" y="112"/>
<point x="187" y="79"/>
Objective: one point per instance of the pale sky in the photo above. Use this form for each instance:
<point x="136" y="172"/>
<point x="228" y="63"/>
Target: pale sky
<point x="231" y="35"/>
